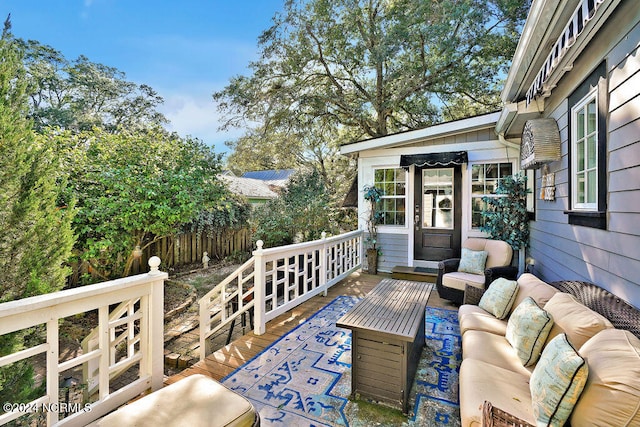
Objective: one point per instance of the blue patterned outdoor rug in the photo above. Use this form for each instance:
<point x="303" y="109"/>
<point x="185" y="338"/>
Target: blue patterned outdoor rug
<point x="304" y="378"/>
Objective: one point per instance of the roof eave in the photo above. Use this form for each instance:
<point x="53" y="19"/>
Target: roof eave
<point x="404" y="138"/>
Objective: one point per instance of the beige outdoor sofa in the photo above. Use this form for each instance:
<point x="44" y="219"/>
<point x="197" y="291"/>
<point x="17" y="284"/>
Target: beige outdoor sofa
<point x="496" y="386"/>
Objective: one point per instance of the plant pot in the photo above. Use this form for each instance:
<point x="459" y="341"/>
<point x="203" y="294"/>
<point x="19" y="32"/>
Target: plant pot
<point x="372" y="261"/>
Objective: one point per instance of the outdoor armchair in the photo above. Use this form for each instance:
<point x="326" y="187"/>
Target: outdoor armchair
<point x="453" y="278"/>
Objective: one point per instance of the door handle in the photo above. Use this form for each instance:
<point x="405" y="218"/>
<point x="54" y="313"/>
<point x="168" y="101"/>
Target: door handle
<point x="416" y="222"/>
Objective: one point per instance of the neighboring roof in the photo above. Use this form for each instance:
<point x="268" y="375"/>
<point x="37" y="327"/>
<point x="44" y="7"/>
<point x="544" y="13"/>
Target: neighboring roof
<point x="436" y="131"/>
<point x="250" y="188"/>
<point x="275" y="177"/>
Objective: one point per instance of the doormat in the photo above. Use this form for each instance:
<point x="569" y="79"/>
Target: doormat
<point x="304" y="378"/>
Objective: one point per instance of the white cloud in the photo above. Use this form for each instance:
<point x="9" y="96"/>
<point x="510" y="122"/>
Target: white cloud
<point x="196" y="115"/>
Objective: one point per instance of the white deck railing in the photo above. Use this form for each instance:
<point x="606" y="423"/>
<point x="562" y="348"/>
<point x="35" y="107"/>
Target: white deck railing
<point x="138" y="330"/>
<point x="275" y="280"/>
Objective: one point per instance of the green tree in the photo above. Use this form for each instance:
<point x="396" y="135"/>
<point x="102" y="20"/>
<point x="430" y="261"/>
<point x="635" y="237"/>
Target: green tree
<point x="80" y="94"/>
<point x="134" y="187"/>
<point x="370" y="67"/>
<point x="35" y="230"/>
<point x="300" y="213"/>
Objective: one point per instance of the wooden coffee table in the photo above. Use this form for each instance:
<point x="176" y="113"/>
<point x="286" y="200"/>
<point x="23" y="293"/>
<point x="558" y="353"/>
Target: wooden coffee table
<point x="387" y="339"/>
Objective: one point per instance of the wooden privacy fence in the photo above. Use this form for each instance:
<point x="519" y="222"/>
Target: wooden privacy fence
<point x="182" y="249"/>
<point x="189" y="248"/>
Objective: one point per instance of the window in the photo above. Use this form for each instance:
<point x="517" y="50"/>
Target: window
<point x="587" y="152"/>
<point x="392" y="183"/>
<point x="531" y="195"/>
<point x="484" y="182"/>
<point x="584" y="137"/>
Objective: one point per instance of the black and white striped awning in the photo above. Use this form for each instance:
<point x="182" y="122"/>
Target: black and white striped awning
<point x="585" y="11"/>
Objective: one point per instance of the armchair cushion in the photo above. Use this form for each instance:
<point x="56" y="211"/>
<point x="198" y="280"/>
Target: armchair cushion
<point x="499" y="297"/>
<point x="527" y="330"/>
<point x="472" y="261"/>
<point x="459" y="280"/>
<point x="557" y="382"/>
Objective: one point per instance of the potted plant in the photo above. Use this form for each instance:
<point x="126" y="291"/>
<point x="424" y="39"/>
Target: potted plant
<point x="506" y="217"/>
<point x="372" y="196"/>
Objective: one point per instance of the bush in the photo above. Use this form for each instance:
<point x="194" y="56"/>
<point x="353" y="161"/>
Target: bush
<point x="301" y="213"/>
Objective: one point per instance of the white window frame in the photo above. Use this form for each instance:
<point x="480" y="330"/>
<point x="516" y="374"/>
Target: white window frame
<point x="405" y="196"/>
<point x="473" y="196"/>
<point x="592" y="96"/>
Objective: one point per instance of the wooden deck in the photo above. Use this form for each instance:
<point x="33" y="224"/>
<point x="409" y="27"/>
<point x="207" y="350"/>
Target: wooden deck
<point x="224" y="361"/>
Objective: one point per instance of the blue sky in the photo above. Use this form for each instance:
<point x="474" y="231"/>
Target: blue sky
<point x="185" y="50"/>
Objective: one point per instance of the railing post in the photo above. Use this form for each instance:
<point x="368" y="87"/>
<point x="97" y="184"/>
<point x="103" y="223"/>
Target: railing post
<point x="361" y="250"/>
<point x="156" y="324"/>
<point x="323" y="263"/>
<point x="259" y="290"/>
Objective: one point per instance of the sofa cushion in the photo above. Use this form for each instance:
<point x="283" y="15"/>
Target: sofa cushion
<point x="612" y="393"/>
<point x="574" y="319"/>
<point x="530" y="286"/>
<point x="493" y="349"/>
<point x="478" y="383"/>
<point x="473" y="318"/>
<point x="459" y="280"/>
<point x="557" y="381"/>
<point x="499" y="297"/>
<point x="472" y="261"/>
<point x="527" y="330"/>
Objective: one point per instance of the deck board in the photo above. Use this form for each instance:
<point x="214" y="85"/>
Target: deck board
<point x="224" y="361"/>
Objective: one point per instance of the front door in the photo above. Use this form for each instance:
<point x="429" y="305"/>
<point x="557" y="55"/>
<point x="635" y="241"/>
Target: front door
<point x="437" y="213"/>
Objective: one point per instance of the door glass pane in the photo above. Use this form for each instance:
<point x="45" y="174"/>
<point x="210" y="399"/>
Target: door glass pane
<point x="427" y="211"/>
<point x="437" y="198"/>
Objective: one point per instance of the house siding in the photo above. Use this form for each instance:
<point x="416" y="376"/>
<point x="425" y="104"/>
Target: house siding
<point x="609" y="258"/>
<point x="394" y="249"/>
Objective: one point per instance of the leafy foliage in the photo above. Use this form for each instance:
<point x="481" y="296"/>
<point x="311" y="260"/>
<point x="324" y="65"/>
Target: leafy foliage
<point x="506" y="217"/>
<point x="35" y="231"/>
<point x="336" y="71"/>
<point x="300" y="213"/>
<point x="134" y="187"/>
<point x="80" y="94"/>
